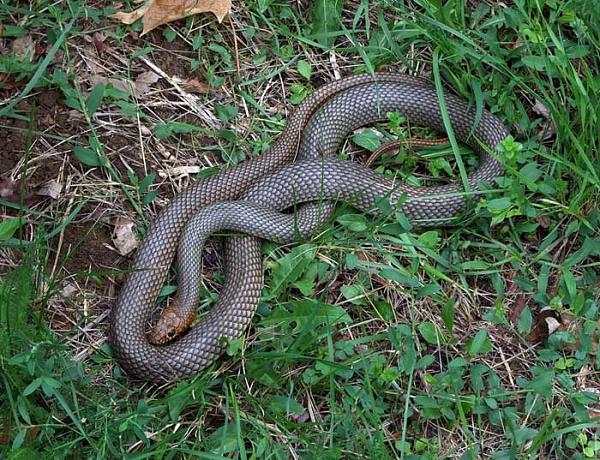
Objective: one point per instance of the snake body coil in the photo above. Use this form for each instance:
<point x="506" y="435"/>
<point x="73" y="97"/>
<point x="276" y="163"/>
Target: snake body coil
<point x="263" y="186"/>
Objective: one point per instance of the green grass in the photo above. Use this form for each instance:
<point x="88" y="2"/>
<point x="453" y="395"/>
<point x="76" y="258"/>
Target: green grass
<point x="372" y="340"/>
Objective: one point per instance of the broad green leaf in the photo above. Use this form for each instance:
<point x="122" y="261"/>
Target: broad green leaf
<point x="570" y="283"/>
<point x="353" y="222"/>
<point x="306" y="284"/>
<point x="525" y="321"/>
<point x="448" y="314"/>
<point x="479" y="344"/>
<point x="499" y="204"/>
<point x="304" y="69"/>
<point x="367" y="139"/>
<point x="33" y="386"/>
<point x="430" y="239"/>
<point x="19" y="439"/>
<point x="94" y="99"/>
<point x="164" y="130"/>
<point x="87" y="156"/>
<point x="146" y="182"/>
<point x="534" y="62"/>
<point x="289" y="269"/>
<point x="430" y="333"/>
<point x="353" y="293"/>
<point x="542" y="383"/>
<point x="394" y="274"/>
<point x="9" y="226"/>
<point x="531" y="171"/>
<point x="475" y="265"/>
<point x="225" y="112"/>
<point x="234" y="346"/>
<point x="403" y="221"/>
<point x="325" y="21"/>
<point x="225" y="439"/>
<point x="285" y="405"/>
<point x="308" y="314"/>
<point x="428" y="290"/>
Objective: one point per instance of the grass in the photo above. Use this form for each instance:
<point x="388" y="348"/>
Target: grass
<point x="372" y="341"/>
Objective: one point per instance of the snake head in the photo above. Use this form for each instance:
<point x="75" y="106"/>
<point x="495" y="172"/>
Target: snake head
<point x="170" y="324"/>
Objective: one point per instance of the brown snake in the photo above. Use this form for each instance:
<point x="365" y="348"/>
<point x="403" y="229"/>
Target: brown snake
<point x="265" y="185"/>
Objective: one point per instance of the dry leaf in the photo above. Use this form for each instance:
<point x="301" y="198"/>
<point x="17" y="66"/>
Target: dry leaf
<point x="541" y="109"/>
<point x="196" y="87"/>
<point x="9" y="190"/>
<point x="51" y="188"/>
<point x="548" y="128"/>
<point x="24" y="47"/>
<point x="75" y="116"/>
<point x="545" y="322"/>
<point x="122" y="85"/>
<point x="157" y="12"/>
<point x="179" y="172"/>
<point x="144" y="81"/>
<point x="98" y="40"/>
<point x="124" y="237"/>
<point x="69" y="290"/>
<point x="139" y="88"/>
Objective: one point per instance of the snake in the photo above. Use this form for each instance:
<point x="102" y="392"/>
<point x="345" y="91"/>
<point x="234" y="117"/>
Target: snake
<point x="301" y="173"/>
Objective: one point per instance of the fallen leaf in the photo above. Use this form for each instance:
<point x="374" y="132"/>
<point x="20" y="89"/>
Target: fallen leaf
<point x="196" y="87"/>
<point x="51" y="188"/>
<point x="545" y="322"/>
<point x="75" y="116"/>
<point x="144" y="81"/>
<point x="547" y="129"/>
<point x="9" y="190"/>
<point x="124" y="237"/>
<point x="158" y="12"/>
<point x="69" y="290"/>
<point x="541" y="109"/>
<point x="98" y="42"/>
<point x="179" y="171"/>
<point x="24" y="47"/>
<point x="300" y="418"/>
<point x="122" y="85"/>
<point x="552" y="324"/>
<point x="139" y="88"/>
<point x="544" y="221"/>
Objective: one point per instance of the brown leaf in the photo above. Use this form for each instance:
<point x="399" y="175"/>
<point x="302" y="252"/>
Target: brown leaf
<point x="541" y="109"/>
<point x="545" y="322"/>
<point x="24" y="47"/>
<point x="69" y="290"/>
<point x="139" y="88"/>
<point x="124" y="237"/>
<point x="98" y="40"/>
<point x="547" y="129"/>
<point x="51" y="188"/>
<point x="544" y="221"/>
<point x="9" y="190"/>
<point x="144" y="81"/>
<point x="157" y="12"/>
<point x="197" y="87"/>
<point x="122" y="85"/>
<point x="179" y="172"/>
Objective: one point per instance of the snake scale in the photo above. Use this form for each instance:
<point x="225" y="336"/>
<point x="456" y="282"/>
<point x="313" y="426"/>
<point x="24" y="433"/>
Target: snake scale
<point x="300" y="167"/>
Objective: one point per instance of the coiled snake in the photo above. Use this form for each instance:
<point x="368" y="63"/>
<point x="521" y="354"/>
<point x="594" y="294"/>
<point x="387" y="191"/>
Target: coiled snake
<point x="264" y="186"/>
